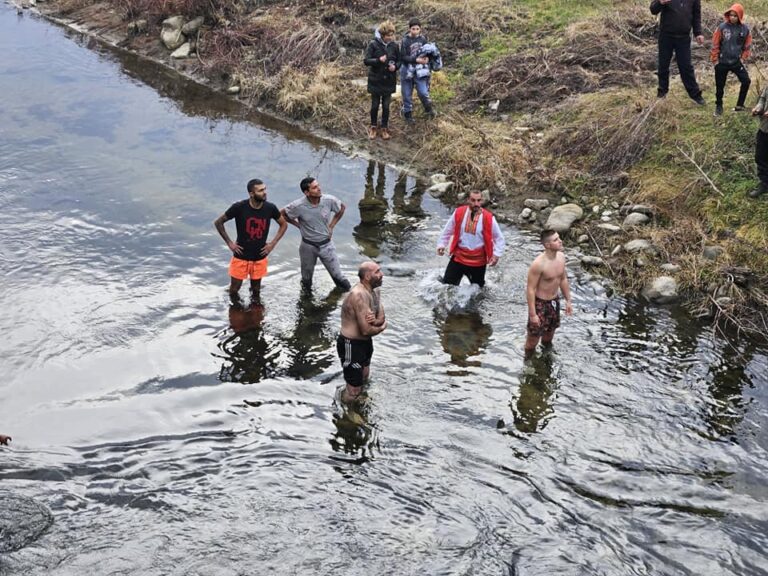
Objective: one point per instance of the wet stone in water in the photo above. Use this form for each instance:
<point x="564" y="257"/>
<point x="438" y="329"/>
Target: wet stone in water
<point x="22" y="521"/>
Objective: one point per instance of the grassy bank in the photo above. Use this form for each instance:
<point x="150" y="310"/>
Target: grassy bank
<point x="550" y="98"/>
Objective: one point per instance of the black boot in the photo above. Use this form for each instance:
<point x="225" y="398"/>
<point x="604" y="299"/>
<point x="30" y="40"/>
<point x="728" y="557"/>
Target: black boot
<point x="343" y="285"/>
<point x="759" y="191"/>
<point x="429" y="109"/>
<point x="408" y="117"/>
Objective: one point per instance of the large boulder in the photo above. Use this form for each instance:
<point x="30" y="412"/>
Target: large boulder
<point x="663" y="290"/>
<point x="438" y="190"/>
<point x="22" y="521"/>
<point x="562" y="217"/>
<point x="192" y="26"/>
<point x="171" y="33"/>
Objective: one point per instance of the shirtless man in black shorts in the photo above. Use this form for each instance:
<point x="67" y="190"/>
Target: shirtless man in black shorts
<point x="362" y="317"/>
<point x="546" y="277"/>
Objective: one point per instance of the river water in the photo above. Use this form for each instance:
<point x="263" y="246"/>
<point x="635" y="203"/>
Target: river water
<point x="171" y="433"/>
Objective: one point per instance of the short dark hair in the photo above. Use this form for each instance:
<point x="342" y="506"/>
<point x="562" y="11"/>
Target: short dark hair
<point x="252" y="184"/>
<point x="414" y="22"/>
<point x="546" y="235"/>
<point x="304" y="184"/>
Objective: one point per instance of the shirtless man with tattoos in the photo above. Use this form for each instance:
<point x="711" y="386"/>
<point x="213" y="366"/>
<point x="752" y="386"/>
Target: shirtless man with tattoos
<point x="362" y="317"/>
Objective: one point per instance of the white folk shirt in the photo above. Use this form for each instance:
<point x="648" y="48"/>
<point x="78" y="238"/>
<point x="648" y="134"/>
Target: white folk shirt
<point x="472" y="241"/>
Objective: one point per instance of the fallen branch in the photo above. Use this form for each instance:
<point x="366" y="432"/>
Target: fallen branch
<point x="600" y="252"/>
<point x="700" y="169"/>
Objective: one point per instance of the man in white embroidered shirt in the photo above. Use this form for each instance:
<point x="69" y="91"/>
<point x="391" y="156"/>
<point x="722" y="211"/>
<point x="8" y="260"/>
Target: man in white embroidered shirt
<point x="474" y="241"/>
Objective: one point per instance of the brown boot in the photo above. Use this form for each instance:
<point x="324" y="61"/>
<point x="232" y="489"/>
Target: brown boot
<point x="385" y="135"/>
<point x="372" y="132"/>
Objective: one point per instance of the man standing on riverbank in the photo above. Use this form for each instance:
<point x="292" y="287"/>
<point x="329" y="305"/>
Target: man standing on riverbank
<point x="249" y="253"/>
<point x="316" y="215"/>
<point x="678" y="17"/>
<point x="362" y="317"/>
<point x="474" y="241"/>
<point x="761" y="146"/>
<point x="546" y="278"/>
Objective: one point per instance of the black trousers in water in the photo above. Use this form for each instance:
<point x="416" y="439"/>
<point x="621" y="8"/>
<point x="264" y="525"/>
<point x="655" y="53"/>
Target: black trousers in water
<point x="681" y="47"/>
<point x="455" y="271"/>
<point x="761" y="159"/>
<point x="385" y="100"/>
<point x="721" y="73"/>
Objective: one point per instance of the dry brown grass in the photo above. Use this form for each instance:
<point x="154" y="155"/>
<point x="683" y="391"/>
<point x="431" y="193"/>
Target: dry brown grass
<point x="610" y="132"/>
<point x="268" y="45"/>
<point x="460" y="24"/>
<point x="310" y="94"/>
<point x="614" y="51"/>
<point x="475" y="154"/>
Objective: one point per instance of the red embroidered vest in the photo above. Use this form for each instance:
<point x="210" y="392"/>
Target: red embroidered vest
<point x="487" y="230"/>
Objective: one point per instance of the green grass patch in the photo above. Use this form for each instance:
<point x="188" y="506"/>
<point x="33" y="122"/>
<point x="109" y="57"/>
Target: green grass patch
<point x="723" y="148"/>
<point x="557" y="14"/>
<point x="492" y="48"/>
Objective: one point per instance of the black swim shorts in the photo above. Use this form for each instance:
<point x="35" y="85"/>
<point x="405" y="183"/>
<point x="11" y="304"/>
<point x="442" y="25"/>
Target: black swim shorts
<point x="548" y="312"/>
<point x="355" y="355"/>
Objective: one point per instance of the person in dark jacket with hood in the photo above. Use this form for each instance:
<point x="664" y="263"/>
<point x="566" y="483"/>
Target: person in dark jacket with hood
<point x="731" y="44"/>
<point x="382" y="58"/>
<point x="677" y="19"/>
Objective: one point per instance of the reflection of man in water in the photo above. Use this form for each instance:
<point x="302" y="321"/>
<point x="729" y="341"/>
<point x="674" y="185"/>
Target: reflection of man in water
<point x="362" y="317"/>
<point x="534" y="408"/>
<point x="308" y="346"/>
<point x="373" y="210"/>
<point x="463" y="335"/>
<point x="354" y="432"/>
<point x="249" y="253"/>
<point x="474" y="240"/>
<point x="243" y="320"/>
<point x="546" y="277"/>
<point x="246" y="353"/>
<point x="316" y="215"/>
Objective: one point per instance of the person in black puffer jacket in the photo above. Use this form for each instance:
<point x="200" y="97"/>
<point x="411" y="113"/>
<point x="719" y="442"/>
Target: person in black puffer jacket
<point x="383" y="59"/>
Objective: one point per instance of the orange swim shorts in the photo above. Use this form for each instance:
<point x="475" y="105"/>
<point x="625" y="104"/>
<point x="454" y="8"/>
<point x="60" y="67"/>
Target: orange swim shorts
<point x="241" y="269"/>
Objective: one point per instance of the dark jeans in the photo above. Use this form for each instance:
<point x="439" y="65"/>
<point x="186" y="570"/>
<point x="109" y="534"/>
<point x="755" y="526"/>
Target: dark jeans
<point x="455" y="271"/>
<point x="384" y="99"/>
<point x="721" y="73"/>
<point x="682" y="50"/>
<point x="761" y="159"/>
